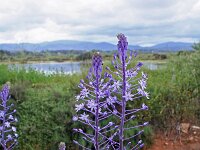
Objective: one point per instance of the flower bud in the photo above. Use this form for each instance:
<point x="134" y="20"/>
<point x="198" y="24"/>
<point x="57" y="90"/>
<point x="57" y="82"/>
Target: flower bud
<point x="97" y="64"/>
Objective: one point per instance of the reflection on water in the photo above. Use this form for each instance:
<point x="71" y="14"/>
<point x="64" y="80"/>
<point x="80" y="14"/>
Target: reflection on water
<point x="67" y="67"/>
<point x="153" y="65"/>
<point x="51" y="67"/>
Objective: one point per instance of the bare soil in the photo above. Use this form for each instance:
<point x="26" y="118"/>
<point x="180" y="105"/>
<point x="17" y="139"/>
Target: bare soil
<point x="189" y="141"/>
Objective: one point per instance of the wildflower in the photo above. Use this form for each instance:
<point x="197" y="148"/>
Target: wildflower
<point x="16" y="135"/>
<point x="1" y="113"/>
<point x="102" y="100"/>
<point x="79" y="107"/>
<point x="97" y="64"/>
<point x="84" y="117"/>
<point x="139" y="65"/>
<point x="9" y="136"/>
<point x="142" y="83"/>
<point x="84" y="93"/>
<point x="92" y="105"/>
<point x="14" y="129"/>
<point x="144" y="107"/>
<point x="8" y="141"/>
<point x="143" y="93"/>
<point x="95" y="96"/>
<point x="111" y="100"/>
<point x="75" y="118"/>
<point x="122" y="46"/>
<point x="116" y="85"/>
<point x="62" y="146"/>
<point x="130" y="73"/>
<point x="144" y="75"/>
<point x="128" y="96"/>
<point x="127" y="88"/>
<point x="10" y="117"/>
<point x="78" y="97"/>
<point x="7" y="124"/>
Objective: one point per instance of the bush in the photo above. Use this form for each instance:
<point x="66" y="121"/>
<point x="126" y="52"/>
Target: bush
<point x="175" y="92"/>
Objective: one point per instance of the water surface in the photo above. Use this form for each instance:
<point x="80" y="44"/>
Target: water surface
<point x="67" y="67"/>
<point x="51" y="67"/>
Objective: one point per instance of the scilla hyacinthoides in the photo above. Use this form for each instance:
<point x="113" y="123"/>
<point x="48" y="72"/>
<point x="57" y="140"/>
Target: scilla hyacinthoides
<point x="8" y="135"/>
<point x="92" y="108"/>
<point x="128" y="87"/>
<point x="104" y="99"/>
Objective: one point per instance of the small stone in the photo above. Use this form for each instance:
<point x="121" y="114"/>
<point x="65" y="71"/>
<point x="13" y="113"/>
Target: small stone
<point x="166" y="143"/>
<point x="195" y="132"/>
<point x="195" y="127"/>
<point x="185" y="127"/>
<point x="191" y="139"/>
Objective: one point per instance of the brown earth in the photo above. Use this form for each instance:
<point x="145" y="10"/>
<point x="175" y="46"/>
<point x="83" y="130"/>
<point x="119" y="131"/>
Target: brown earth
<point x="189" y="141"/>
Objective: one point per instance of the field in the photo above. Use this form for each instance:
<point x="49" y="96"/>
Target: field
<point x="45" y="104"/>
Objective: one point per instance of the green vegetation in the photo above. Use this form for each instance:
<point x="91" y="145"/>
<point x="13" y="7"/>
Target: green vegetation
<point x="45" y="106"/>
<point x="175" y="92"/>
<point x="45" y="103"/>
<point x="196" y="46"/>
<point x="57" y="56"/>
<point x="66" y="55"/>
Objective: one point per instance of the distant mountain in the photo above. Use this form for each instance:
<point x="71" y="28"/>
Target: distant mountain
<point x="83" y="45"/>
<point x="173" y="46"/>
<point x="58" y="45"/>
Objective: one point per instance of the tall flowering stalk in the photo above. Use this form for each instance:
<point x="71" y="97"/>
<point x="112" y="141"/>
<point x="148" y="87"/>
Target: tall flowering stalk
<point x="93" y="103"/>
<point x="8" y="136"/>
<point x="128" y="88"/>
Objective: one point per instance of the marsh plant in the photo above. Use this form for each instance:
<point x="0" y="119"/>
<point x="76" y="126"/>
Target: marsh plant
<point x="106" y="97"/>
<point x="8" y="135"/>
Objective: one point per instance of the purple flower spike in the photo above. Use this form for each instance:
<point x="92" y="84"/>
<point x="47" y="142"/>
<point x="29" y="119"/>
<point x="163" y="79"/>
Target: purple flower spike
<point x="127" y="87"/>
<point x="8" y="135"/>
<point x="93" y="102"/>
<point x="122" y="45"/>
<point x="97" y="63"/>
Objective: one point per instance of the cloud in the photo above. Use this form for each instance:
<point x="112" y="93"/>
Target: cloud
<point x="144" y="22"/>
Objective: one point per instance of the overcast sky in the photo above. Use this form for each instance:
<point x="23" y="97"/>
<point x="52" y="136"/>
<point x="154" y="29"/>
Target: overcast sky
<point x="145" y="22"/>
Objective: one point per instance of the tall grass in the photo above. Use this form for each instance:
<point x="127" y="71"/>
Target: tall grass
<point x="175" y="92"/>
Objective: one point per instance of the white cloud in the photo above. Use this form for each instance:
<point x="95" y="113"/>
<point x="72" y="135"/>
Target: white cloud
<point x="144" y="22"/>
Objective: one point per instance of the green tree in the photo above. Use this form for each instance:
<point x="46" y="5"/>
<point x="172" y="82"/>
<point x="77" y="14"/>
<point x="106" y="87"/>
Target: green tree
<point x="196" y="46"/>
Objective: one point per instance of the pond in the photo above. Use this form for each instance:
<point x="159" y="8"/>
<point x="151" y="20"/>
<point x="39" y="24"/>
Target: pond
<point x="67" y="67"/>
<point x="51" y="67"/>
<point x="153" y="65"/>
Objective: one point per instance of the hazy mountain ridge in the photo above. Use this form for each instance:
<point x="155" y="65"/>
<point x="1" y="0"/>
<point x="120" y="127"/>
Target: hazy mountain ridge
<point x="83" y="45"/>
